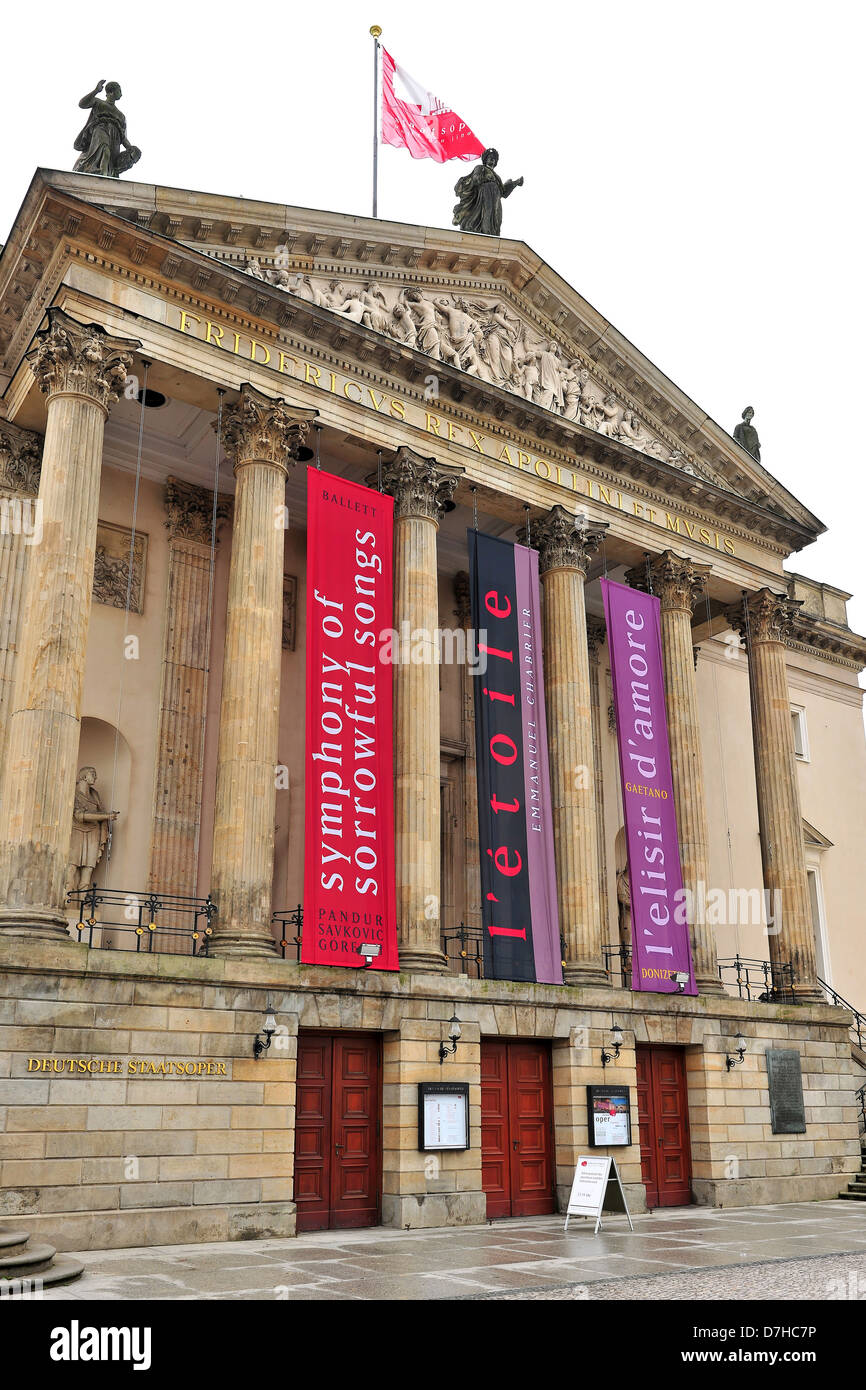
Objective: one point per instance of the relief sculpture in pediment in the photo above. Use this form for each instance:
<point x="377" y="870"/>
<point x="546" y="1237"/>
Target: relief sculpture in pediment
<point x="486" y="341"/>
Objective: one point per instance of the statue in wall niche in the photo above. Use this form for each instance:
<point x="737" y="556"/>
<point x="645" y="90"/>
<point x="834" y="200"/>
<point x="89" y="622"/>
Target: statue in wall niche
<point x="91" y="827"/>
<point x="623" y="898"/>
<point x="102" y="144"/>
<point x="747" y="436"/>
<point x="481" y="193"/>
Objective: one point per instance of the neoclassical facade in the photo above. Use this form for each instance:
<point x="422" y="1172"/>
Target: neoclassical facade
<point x="171" y="365"/>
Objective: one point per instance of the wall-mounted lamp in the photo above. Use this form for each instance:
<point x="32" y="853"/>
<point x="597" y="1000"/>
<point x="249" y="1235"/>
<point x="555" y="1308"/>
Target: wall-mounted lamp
<point x="263" y="1040"/>
<point x="617" y="1040"/>
<point x="454" y="1035"/>
<point x="740" y="1049"/>
<point x="369" y="950"/>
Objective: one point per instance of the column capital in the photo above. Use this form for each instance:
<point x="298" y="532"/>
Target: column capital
<point x="20" y="459"/>
<point x="191" y="511"/>
<point x="565" y="541"/>
<point x="81" y="359"/>
<point x="596" y="632"/>
<point x="677" y="581"/>
<point x="419" y="486"/>
<point x="264" y="429"/>
<point x="764" y="616"/>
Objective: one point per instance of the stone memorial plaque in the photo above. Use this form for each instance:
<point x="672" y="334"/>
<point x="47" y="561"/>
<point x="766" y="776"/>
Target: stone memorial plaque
<point x="787" y="1111"/>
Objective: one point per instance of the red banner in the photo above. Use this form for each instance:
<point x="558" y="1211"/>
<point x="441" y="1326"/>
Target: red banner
<point x="349" y="885"/>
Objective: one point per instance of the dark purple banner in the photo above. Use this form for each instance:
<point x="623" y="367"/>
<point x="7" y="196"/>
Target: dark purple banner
<point x="660" y="934"/>
<point x="518" y="875"/>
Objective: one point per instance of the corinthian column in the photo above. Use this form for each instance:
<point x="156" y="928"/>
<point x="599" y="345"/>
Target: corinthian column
<point x="420" y="491"/>
<point x="261" y="436"/>
<point x="565" y="544"/>
<point x="595" y="635"/>
<point x="183" y="696"/>
<point x="471" y="850"/>
<point x="20" y="453"/>
<point x="82" y="370"/>
<point x="764" y="619"/>
<point x="678" y="583"/>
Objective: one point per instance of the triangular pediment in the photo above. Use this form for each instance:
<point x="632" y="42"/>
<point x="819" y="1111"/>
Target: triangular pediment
<point x="485" y="307"/>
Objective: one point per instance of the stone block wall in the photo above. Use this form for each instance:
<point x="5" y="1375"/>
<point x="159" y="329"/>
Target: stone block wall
<point x="132" y="1111"/>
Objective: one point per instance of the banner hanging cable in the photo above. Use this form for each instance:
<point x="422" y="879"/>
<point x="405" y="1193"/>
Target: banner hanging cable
<point x="375" y="31"/>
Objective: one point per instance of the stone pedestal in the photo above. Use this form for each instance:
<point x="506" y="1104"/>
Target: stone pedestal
<point x="420" y="490"/>
<point x="82" y="370"/>
<point x="183" y="696"/>
<point x="764" y="619"/>
<point x="565" y="544"/>
<point x="20" y="455"/>
<point x="678" y="584"/>
<point x="261" y="436"/>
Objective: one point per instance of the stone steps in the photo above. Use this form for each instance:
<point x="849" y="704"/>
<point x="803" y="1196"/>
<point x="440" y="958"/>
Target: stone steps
<point x="21" y="1262"/>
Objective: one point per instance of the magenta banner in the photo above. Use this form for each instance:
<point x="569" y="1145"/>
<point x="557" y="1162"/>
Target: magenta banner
<point x="518" y="874"/>
<point x="660" y="932"/>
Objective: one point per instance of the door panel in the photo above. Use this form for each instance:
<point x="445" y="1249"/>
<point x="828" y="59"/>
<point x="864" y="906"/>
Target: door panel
<point x="516" y="1128"/>
<point x="337" y="1132"/>
<point x="664" y="1126"/>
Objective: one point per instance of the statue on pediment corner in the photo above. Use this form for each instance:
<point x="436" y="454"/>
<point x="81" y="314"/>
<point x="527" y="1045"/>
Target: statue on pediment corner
<point x="102" y="144"/>
<point x="747" y="436"/>
<point x="480" y="193"/>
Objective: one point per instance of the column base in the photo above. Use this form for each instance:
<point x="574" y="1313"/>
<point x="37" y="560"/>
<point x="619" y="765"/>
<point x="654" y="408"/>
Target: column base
<point x="809" y="994"/>
<point x="709" y="984"/>
<point x="423" y="962"/>
<point x="243" y="945"/>
<point x="37" y="923"/>
<point x="586" y="975"/>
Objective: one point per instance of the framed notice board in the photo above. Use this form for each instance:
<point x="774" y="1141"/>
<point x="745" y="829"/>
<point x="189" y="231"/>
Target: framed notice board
<point x="608" y="1116"/>
<point x="443" y="1115"/>
<point x="785" y="1082"/>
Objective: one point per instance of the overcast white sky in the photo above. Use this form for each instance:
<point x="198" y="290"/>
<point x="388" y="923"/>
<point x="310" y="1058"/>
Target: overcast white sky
<point x="693" y="168"/>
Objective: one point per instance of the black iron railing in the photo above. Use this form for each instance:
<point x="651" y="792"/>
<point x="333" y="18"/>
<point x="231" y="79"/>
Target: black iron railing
<point x="858" y="1024"/>
<point x="291" y="924"/>
<point x="761" y="981"/>
<point x="124" y="920"/>
<point x="617" y="963"/>
<point x="860" y="1097"/>
<point x="464" y="950"/>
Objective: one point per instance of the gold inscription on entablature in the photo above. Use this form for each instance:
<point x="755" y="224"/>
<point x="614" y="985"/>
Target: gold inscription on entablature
<point x="511" y="454"/>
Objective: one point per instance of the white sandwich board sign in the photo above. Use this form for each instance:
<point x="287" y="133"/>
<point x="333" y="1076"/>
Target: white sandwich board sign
<point x="596" y="1188"/>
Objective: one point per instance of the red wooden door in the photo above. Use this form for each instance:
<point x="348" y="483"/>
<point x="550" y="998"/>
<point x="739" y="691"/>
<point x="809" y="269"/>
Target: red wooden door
<point x="516" y="1128"/>
<point x="337" y="1131"/>
<point x="663" y="1123"/>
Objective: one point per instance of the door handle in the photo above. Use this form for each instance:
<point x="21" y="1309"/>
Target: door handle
<point x="338" y="1148"/>
<point x="516" y="1144"/>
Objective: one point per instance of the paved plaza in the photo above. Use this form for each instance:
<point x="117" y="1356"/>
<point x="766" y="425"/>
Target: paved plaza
<point x="752" y="1253"/>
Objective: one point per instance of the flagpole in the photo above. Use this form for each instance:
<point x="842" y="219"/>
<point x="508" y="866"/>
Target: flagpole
<point x="375" y="31"/>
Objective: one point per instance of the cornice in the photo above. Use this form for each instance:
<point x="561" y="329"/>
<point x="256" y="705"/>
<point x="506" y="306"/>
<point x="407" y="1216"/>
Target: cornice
<point x="214" y="226"/>
<point x="172" y="269"/>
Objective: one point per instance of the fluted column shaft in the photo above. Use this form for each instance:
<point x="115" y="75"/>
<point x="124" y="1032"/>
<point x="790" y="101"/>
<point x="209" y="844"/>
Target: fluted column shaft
<point x="419" y="489"/>
<point x="565" y="549"/>
<point x="471" y="849"/>
<point x="678" y="584"/>
<point x="595" y="633"/>
<point x="82" y="370"/>
<point x="783" y="855"/>
<point x="261" y="436"/>
<point x="20" y="453"/>
<point x="183" y="696"/>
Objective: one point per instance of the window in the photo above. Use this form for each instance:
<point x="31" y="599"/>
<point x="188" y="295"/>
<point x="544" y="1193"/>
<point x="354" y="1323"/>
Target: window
<point x="798" y="727"/>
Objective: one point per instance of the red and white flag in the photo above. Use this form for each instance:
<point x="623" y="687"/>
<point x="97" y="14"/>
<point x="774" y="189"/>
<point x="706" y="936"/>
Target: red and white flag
<point x="416" y="120"/>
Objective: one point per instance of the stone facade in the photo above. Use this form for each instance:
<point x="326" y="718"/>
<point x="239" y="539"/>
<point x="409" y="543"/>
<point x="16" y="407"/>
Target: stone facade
<point x="132" y="1110"/>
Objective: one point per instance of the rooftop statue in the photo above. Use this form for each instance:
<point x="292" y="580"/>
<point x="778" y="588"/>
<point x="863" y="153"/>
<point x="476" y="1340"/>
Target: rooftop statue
<point x="481" y="194"/>
<point x="103" y="146"/>
<point x="747" y="436"/>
